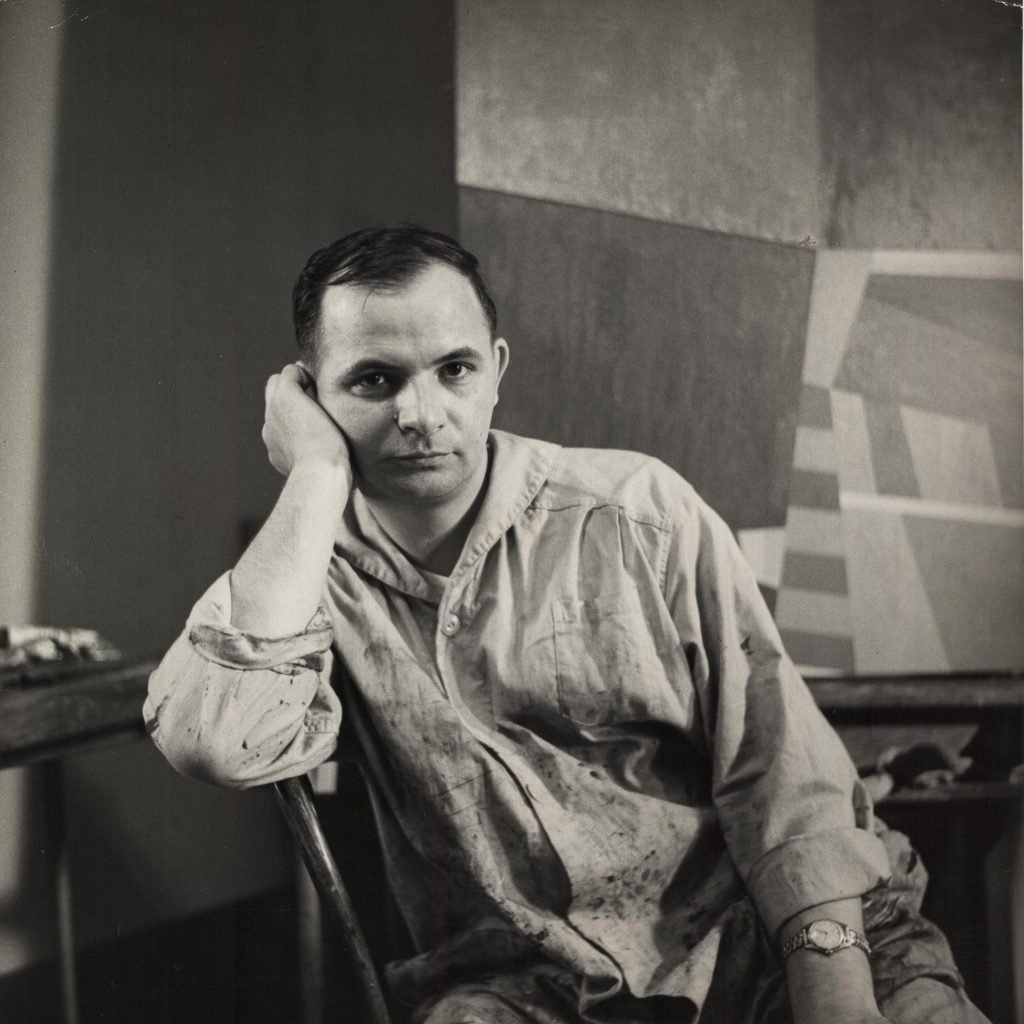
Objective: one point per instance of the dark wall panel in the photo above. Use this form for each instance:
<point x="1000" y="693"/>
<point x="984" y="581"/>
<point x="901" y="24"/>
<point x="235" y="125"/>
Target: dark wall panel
<point x="920" y="120"/>
<point x="628" y="333"/>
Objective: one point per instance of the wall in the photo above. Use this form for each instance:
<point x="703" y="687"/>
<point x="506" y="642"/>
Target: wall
<point x="201" y="152"/>
<point x="29" y="61"/>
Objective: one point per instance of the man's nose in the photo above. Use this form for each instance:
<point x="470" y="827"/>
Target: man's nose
<point x="419" y="409"/>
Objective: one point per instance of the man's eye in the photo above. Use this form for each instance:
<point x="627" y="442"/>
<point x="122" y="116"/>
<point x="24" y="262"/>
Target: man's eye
<point x="456" y="371"/>
<point x="371" y="382"/>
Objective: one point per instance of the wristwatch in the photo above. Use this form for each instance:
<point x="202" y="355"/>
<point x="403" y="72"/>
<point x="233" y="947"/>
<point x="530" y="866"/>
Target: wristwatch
<point x="826" y="937"/>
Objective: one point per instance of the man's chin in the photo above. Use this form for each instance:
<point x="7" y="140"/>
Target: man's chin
<point x="424" y="489"/>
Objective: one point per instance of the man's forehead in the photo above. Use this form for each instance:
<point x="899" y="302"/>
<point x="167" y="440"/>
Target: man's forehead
<point x="418" y="322"/>
<point x="436" y="297"/>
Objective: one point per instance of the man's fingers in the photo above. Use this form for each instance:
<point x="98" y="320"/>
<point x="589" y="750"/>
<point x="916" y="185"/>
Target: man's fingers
<point x="295" y="373"/>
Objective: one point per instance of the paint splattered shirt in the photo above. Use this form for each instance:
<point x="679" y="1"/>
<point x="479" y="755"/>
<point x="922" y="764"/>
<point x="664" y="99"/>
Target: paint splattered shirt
<point x="587" y="743"/>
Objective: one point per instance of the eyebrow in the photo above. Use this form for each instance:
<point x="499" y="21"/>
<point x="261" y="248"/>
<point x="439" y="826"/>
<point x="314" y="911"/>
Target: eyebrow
<point x="371" y="364"/>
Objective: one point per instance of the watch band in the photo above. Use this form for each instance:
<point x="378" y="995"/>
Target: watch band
<point x="825" y="937"/>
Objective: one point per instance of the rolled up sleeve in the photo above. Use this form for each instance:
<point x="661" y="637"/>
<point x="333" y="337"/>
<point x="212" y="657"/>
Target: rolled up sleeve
<point x="816" y="868"/>
<point x="798" y="823"/>
<point x="237" y="710"/>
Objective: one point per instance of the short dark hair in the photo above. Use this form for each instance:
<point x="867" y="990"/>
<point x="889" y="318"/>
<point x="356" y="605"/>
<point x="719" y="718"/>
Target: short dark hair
<point x="383" y="257"/>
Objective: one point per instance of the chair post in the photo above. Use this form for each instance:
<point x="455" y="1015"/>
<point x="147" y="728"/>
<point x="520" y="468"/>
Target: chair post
<point x="295" y="799"/>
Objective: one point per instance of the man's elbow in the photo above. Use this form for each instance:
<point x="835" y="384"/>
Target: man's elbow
<point x="234" y="760"/>
<point x="232" y="728"/>
<point x="221" y="762"/>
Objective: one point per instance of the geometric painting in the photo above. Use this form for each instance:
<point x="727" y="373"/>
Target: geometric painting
<point x="903" y="548"/>
<point x="854" y="413"/>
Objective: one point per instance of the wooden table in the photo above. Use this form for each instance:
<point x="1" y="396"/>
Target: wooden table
<point x="47" y="712"/>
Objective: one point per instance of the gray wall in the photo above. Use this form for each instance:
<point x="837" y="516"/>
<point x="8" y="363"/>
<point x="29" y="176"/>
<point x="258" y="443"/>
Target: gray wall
<point x="201" y="152"/>
<point x="29" y="63"/>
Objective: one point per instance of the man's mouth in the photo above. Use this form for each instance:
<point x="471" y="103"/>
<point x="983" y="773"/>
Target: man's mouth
<point x="424" y="458"/>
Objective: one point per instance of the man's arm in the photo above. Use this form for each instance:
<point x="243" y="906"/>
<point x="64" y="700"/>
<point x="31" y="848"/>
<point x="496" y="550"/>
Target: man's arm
<point x="795" y="817"/>
<point x="243" y="697"/>
<point x="276" y="585"/>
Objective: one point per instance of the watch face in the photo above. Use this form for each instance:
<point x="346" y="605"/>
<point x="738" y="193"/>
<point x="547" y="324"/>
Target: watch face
<point x="825" y="934"/>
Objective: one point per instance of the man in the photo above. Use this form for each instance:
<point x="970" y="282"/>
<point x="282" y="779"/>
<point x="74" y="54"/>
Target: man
<point x="602" y="789"/>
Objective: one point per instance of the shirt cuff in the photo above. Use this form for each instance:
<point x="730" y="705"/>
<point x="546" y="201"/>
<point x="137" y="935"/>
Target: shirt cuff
<point x="817" y="868"/>
<point x="233" y="648"/>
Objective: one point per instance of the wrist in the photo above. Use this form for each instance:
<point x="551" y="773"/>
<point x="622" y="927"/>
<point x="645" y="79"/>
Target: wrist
<point x="321" y="480"/>
<point x="323" y="462"/>
<point x="824" y="937"/>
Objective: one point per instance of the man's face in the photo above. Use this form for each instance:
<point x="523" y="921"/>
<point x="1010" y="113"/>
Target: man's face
<point x="411" y="376"/>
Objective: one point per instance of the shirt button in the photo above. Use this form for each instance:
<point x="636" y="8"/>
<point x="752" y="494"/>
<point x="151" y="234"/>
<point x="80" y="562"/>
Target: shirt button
<point x="451" y="625"/>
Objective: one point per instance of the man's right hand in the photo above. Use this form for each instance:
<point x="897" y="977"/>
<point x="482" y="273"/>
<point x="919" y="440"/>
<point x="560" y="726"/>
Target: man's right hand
<point x="295" y="427"/>
<point x="277" y="583"/>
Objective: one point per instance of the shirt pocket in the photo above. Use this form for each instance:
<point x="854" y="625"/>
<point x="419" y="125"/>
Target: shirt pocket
<point x="606" y="662"/>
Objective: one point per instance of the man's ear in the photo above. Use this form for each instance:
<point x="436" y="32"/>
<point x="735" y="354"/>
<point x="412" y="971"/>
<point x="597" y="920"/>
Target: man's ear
<point x="308" y="377"/>
<point x="501" y="358"/>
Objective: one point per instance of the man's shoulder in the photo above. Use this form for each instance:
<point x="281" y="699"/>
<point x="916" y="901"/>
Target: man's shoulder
<point x="644" y="487"/>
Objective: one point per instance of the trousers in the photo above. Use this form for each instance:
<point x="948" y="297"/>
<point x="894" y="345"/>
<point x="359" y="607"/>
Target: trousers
<point x="915" y="978"/>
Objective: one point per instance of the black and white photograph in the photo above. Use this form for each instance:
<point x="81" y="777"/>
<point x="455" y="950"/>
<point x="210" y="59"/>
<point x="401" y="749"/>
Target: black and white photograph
<point x="511" y="512"/>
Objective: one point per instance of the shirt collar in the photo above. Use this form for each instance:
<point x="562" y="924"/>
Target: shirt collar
<point x="519" y="468"/>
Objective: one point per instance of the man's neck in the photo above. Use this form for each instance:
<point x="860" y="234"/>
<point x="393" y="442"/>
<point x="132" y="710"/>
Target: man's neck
<point x="431" y="536"/>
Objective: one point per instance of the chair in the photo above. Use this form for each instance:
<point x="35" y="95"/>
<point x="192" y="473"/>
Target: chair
<point x="295" y="799"/>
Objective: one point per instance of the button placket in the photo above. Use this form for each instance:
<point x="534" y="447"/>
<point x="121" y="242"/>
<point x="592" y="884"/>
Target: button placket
<point x="497" y="747"/>
<point x="450" y="622"/>
<point x="450" y="659"/>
